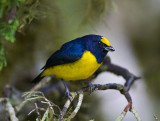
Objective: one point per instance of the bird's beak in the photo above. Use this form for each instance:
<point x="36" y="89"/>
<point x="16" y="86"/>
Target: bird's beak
<point x="109" y="48"/>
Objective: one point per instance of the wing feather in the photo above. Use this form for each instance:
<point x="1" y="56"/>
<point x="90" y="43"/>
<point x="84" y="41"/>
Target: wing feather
<point x="68" y="53"/>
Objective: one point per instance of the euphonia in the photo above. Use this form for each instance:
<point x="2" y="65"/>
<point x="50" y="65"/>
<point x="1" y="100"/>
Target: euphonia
<point x="77" y="59"/>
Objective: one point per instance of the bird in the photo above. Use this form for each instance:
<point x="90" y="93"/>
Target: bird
<point x="77" y="59"/>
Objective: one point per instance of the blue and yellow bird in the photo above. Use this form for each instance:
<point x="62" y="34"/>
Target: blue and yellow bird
<point x="77" y="59"/>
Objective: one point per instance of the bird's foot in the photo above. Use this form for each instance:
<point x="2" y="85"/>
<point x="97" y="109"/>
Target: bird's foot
<point x="68" y="94"/>
<point x="91" y="87"/>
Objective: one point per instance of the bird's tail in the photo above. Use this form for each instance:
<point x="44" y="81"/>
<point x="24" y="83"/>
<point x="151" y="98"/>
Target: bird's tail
<point x="38" y="78"/>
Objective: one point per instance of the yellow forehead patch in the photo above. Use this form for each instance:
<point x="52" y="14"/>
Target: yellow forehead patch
<point x="105" y="41"/>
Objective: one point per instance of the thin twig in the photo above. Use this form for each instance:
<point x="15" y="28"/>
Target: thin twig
<point x="120" y="118"/>
<point x="73" y="114"/>
<point x="37" y="110"/>
<point x="10" y="109"/>
<point x="51" y="104"/>
<point x="45" y="115"/>
<point x="31" y="112"/>
<point x="67" y="104"/>
<point x="136" y="114"/>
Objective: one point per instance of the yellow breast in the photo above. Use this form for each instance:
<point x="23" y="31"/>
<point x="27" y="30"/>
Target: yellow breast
<point x="78" y="70"/>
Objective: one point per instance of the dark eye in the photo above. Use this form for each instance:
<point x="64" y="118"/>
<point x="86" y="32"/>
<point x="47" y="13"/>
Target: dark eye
<point x="99" y="43"/>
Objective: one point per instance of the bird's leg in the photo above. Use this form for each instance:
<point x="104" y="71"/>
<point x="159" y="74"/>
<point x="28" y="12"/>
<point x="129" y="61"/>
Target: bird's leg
<point x="67" y="93"/>
<point x="91" y="86"/>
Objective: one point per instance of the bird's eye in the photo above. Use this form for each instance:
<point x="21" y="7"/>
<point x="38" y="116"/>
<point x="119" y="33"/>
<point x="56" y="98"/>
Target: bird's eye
<point x="99" y="43"/>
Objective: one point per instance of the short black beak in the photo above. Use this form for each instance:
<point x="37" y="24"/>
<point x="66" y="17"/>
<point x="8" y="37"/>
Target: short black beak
<point x="109" y="48"/>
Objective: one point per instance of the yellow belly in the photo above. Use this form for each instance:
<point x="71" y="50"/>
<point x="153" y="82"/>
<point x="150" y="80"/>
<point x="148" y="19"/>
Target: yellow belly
<point x="78" y="70"/>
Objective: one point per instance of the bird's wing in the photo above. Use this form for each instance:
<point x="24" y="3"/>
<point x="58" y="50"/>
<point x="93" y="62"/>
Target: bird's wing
<point x="69" y="52"/>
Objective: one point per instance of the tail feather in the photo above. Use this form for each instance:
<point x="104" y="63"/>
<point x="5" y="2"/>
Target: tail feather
<point x="37" y="79"/>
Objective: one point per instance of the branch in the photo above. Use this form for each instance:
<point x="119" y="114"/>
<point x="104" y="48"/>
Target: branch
<point x="136" y="114"/>
<point x="73" y="114"/>
<point x="121" y="116"/>
<point x="118" y="70"/>
<point x="68" y="103"/>
<point x="37" y="111"/>
<point x="9" y="109"/>
<point x="115" y="86"/>
<point x="79" y="92"/>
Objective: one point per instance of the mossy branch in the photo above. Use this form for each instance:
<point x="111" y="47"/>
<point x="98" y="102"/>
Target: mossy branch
<point x="9" y="108"/>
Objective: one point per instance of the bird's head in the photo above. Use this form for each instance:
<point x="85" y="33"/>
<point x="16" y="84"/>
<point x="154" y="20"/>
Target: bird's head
<point x="105" y="44"/>
<point x="98" y="45"/>
<point x="97" y="41"/>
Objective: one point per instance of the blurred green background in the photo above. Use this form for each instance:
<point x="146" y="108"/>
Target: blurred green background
<point x="44" y="25"/>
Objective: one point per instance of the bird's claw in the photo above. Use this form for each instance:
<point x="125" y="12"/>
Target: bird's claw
<point x="91" y="87"/>
<point x="68" y="94"/>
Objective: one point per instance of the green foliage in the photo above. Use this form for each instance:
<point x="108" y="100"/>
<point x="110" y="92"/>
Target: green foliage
<point x="8" y="26"/>
<point x="8" y="30"/>
<point x="13" y="18"/>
